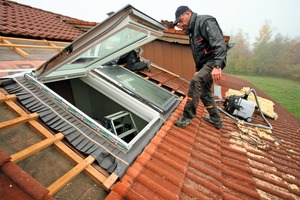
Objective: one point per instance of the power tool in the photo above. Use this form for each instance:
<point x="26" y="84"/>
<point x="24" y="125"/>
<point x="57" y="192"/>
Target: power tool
<point x="238" y="107"/>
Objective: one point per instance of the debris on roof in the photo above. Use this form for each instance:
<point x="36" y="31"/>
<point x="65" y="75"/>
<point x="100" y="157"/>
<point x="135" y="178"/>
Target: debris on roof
<point x="267" y="106"/>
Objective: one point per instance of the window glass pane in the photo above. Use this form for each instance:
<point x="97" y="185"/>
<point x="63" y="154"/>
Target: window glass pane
<point x="137" y="85"/>
<point x="107" y="47"/>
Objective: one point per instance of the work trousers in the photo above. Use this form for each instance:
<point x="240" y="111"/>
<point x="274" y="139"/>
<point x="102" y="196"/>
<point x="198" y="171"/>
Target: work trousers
<point x="200" y="88"/>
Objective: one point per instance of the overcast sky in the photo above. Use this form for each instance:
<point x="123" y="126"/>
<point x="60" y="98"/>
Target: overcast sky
<point x="232" y="15"/>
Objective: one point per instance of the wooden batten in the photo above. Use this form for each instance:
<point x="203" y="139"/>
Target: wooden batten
<point x="6" y="43"/>
<point x="36" y="44"/>
<point x="56" y="140"/>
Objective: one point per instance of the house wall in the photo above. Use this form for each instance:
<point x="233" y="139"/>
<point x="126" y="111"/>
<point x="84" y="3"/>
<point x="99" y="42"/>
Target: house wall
<point x="174" y="57"/>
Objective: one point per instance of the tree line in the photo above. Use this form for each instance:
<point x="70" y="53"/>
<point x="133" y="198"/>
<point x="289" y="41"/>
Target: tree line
<point x="276" y="56"/>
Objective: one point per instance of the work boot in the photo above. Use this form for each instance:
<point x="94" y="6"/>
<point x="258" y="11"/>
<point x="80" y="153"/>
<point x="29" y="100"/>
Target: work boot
<point x="149" y="67"/>
<point x="182" y="122"/>
<point x="217" y="125"/>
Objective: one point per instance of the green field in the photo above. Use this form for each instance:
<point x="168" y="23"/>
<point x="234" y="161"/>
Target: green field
<point x="285" y="92"/>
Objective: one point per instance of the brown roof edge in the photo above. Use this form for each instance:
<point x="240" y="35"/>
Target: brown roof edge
<point x="75" y="21"/>
<point x="21" y="179"/>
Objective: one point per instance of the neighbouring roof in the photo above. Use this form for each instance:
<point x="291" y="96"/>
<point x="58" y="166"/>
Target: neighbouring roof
<point x="18" y="20"/>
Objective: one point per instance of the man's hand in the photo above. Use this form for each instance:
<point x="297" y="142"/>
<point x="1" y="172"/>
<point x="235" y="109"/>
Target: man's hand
<point x="216" y="74"/>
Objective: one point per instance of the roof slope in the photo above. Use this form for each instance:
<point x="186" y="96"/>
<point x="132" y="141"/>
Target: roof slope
<point x="200" y="162"/>
<point x="18" y="20"/>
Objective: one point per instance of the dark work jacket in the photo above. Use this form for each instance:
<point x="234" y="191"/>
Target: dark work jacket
<point x="206" y="40"/>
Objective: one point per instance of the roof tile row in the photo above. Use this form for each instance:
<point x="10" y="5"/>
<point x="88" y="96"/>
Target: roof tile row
<point x="200" y="162"/>
<point x="17" y="184"/>
<point x="24" y="21"/>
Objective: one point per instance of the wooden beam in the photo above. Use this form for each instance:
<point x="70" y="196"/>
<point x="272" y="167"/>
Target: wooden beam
<point x="36" y="148"/>
<point x="18" y="120"/>
<point x="62" y="181"/>
<point x="16" y="46"/>
<point x="170" y="37"/>
<point x="110" y="181"/>
<point x="13" y="47"/>
<point x="13" y="106"/>
<point x="53" y="45"/>
<point x="32" y="40"/>
<point x="92" y="172"/>
<point x="9" y="97"/>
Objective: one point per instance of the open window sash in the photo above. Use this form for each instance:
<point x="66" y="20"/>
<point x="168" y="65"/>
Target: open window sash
<point x="125" y="30"/>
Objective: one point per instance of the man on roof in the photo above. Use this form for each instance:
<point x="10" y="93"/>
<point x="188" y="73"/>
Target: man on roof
<point x="209" y="51"/>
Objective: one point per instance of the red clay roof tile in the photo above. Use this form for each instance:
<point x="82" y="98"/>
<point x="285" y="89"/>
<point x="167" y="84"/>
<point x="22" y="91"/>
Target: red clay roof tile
<point x="200" y="162"/>
<point x="17" y="184"/>
<point x="19" y="20"/>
